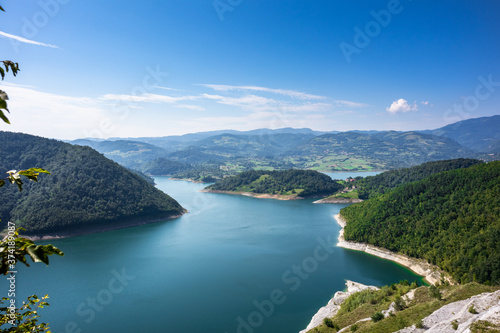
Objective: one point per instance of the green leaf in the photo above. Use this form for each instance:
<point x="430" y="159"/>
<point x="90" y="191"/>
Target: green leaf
<point x="2" y="72"/>
<point x="2" y="182"/>
<point x="2" y="9"/>
<point x="34" y="170"/>
<point x="3" y="117"/>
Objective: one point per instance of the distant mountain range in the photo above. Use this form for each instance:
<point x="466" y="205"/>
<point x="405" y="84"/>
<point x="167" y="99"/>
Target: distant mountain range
<point x="479" y="134"/>
<point x="217" y="154"/>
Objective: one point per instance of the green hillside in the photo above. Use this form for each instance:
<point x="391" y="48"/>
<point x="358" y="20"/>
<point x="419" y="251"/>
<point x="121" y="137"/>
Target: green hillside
<point x="452" y="219"/>
<point x="301" y="183"/>
<point x="84" y="189"/>
<point x="384" y="150"/>
<point x="374" y="185"/>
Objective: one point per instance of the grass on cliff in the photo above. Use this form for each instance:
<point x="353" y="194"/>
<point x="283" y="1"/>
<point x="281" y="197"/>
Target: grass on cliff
<point x="366" y="303"/>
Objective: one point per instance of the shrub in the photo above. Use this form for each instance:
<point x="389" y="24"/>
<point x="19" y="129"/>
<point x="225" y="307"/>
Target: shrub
<point x="329" y="323"/>
<point x="354" y="328"/>
<point x="454" y="324"/>
<point x="434" y="292"/>
<point x="357" y="299"/>
<point x="377" y="316"/>
<point x="419" y="324"/>
<point x="399" y="304"/>
<point x="472" y="309"/>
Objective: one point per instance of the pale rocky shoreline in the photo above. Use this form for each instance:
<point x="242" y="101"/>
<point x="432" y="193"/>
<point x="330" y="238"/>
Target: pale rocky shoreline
<point x="337" y="200"/>
<point x="431" y="273"/>
<point x="256" y="195"/>
<point x="486" y="306"/>
<point x="333" y="305"/>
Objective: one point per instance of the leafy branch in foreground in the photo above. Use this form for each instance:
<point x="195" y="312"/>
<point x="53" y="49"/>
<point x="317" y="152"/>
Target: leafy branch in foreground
<point x="25" y="318"/>
<point x="14" y="249"/>
<point x="14" y="68"/>
<point x="15" y="176"/>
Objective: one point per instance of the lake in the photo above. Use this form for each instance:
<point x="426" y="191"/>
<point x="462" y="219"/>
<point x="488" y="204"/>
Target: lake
<point x="232" y="264"/>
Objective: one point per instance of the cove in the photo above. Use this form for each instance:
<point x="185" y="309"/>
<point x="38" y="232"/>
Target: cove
<point x="232" y="264"/>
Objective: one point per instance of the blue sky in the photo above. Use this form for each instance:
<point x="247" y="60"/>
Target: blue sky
<point x="155" y="68"/>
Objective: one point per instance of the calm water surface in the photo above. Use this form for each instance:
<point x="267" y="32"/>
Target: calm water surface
<point x="232" y="264"/>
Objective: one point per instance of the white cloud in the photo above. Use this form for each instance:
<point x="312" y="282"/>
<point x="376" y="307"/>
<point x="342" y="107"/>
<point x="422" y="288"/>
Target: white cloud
<point x="425" y="103"/>
<point x="51" y="115"/>
<point x="401" y="105"/>
<point x="289" y="93"/>
<point x="25" y="40"/>
<point x="350" y="104"/>
<point x="146" y="98"/>
<point x="190" y="107"/>
<point x="310" y="107"/>
<point x="166" y="88"/>
<point x="247" y="101"/>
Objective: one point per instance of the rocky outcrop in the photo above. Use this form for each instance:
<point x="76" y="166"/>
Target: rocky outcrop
<point x="333" y="305"/>
<point x="460" y="314"/>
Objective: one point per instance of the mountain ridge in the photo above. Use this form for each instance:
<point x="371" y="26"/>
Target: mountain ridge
<point x="84" y="191"/>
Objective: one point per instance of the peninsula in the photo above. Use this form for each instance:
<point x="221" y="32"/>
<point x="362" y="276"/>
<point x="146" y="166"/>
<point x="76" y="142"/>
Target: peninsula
<point x="282" y="185"/>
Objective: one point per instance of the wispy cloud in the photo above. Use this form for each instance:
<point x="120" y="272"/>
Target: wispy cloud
<point x="154" y="98"/>
<point x="25" y="40"/>
<point x="246" y="102"/>
<point x="147" y="98"/>
<point x="51" y="115"/>
<point x="401" y="105"/>
<point x="289" y="93"/>
<point x="350" y="104"/>
<point x="166" y="88"/>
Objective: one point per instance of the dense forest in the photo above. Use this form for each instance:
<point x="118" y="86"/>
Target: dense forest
<point x="84" y="187"/>
<point x="374" y="185"/>
<point x="303" y="183"/>
<point x="452" y="219"/>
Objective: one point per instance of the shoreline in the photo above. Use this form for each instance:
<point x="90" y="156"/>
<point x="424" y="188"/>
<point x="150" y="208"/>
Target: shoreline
<point x="337" y="200"/>
<point x="431" y="273"/>
<point x="333" y="305"/>
<point x="256" y="195"/>
<point x="94" y="229"/>
<point x="186" y="180"/>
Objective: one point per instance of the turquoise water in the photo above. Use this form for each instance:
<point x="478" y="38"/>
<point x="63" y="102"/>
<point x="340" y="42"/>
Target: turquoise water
<point x="232" y="264"/>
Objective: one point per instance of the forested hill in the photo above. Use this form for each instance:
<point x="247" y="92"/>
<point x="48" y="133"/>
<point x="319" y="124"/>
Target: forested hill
<point x="301" y="183"/>
<point x="374" y="185"/>
<point x="84" y="189"/>
<point x="451" y="219"/>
